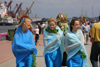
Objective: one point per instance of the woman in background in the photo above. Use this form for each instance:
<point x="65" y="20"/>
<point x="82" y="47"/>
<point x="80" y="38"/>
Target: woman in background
<point x="36" y="35"/>
<point x="39" y="26"/>
<point x="63" y="24"/>
<point x="23" y="45"/>
<point x="74" y="42"/>
<point x="53" y="44"/>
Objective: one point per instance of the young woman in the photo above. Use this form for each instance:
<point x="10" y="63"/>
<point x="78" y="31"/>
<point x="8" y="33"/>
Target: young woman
<point x="62" y="23"/>
<point x="74" y="42"/>
<point x="53" y="43"/>
<point x="23" y="45"/>
<point x="36" y="35"/>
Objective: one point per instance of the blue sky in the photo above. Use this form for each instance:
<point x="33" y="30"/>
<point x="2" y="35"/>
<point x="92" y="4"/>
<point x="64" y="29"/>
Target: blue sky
<point x="51" y="8"/>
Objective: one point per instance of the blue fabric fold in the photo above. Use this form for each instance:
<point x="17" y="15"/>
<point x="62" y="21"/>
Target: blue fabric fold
<point x="23" y="45"/>
<point x="53" y="59"/>
<point x="75" y="61"/>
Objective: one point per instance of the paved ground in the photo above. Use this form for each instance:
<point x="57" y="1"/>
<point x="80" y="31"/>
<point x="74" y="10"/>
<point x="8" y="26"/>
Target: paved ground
<point x="5" y="52"/>
<point x="7" y="59"/>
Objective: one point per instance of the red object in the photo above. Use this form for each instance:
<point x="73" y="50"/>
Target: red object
<point x="5" y="14"/>
<point x="3" y="34"/>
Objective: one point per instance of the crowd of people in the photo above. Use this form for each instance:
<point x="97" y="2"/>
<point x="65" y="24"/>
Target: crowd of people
<point x="64" y="44"/>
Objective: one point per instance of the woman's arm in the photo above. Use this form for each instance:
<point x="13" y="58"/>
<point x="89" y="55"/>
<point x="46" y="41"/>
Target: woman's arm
<point x="73" y="46"/>
<point x="19" y="47"/>
<point x="48" y="45"/>
<point x="74" y="42"/>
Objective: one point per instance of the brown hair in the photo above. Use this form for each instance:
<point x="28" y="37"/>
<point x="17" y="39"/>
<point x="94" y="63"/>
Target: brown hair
<point x="72" y="23"/>
<point x="61" y="17"/>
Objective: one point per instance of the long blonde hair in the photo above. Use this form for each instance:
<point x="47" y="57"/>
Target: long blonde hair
<point x="25" y="19"/>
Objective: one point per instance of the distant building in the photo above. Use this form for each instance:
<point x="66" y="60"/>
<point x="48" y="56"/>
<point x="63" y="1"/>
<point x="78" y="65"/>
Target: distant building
<point x="36" y="19"/>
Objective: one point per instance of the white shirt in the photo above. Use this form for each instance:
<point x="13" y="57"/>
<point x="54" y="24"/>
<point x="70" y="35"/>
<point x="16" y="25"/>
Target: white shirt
<point x="43" y="26"/>
<point x="86" y="28"/>
<point x="36" y="31"/>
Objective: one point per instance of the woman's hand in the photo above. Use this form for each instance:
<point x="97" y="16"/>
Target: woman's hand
<point x="58" y="38"/>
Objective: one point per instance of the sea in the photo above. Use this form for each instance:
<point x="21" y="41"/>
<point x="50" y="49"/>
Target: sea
<point x="4" y="29"/>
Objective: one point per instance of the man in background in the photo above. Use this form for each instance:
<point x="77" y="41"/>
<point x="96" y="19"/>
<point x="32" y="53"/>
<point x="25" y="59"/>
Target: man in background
<point x="95" y="50"/>
<point x="86" y="29"/>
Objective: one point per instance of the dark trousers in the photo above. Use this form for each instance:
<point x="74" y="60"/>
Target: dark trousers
<point x="36" y="38"/>
<point x="64" y="60"/>
<point x="95" y="51"/>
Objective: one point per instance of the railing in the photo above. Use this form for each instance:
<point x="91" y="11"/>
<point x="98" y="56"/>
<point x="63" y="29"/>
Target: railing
<point x="3" y="34"/>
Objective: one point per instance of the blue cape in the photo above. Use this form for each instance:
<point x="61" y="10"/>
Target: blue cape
<point x="23" y="44"/>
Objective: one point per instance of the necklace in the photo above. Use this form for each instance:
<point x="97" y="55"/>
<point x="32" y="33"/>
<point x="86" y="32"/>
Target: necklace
<point x="52" y="31"/>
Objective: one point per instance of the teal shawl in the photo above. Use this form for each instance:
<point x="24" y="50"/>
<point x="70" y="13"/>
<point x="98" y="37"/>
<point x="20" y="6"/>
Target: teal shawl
<point x="53" y="41"/>
<point x="74" y="42"/>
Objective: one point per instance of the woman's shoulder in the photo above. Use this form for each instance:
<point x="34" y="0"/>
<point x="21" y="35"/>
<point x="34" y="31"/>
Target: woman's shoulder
<point x="29" y="32"/>
<point x="58" y="28"/>
<point x="69" y="35"/>
<point x="60" y="31"/>
<point x="18" y="29"/>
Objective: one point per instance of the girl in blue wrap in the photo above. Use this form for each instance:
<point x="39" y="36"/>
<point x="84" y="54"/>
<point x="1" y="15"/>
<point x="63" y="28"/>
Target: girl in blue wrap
<point x="23" y="45"/>
<point x="53" y="40"/>
<point x="74" y="42"/>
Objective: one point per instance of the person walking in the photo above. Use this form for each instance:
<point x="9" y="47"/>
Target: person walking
<point x="53" y="41"/>
<point x="63" y="24"/>
<point x="82" y="26"/>
<point x="23" y="45"/>
<point x="39" y="26"/>
<point x="74" y="44"/>
<point x="36" y="35"/>
<point x="86" y="29"/>
<point x="95" y="49"/>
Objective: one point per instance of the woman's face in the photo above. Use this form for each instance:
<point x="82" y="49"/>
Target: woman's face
<point x="52" y="25"/>
<point x="27" y="25"/>
<point x="76" y="25"/>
